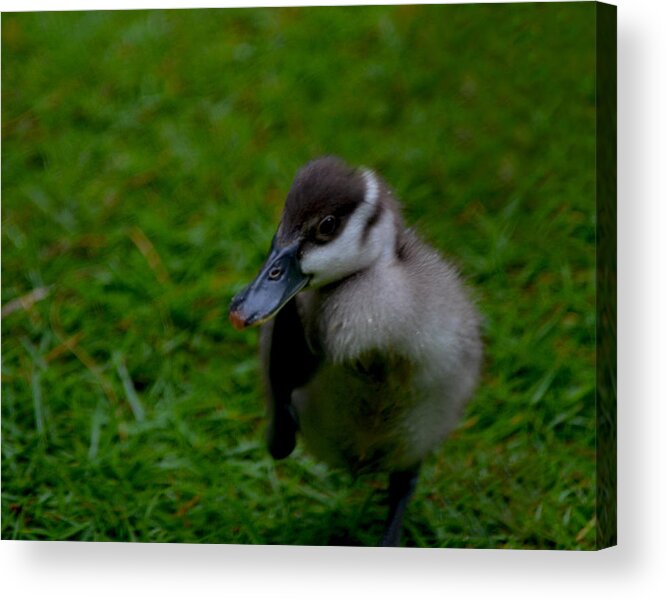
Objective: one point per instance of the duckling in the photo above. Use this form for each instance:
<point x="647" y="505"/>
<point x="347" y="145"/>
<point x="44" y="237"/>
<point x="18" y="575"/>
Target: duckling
<point x="370" y="345"/>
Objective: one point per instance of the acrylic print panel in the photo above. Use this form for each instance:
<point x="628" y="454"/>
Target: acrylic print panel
<point x="146" y="160"/>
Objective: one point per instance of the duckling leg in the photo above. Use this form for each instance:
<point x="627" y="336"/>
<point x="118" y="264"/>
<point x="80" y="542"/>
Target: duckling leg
<point x="281" y="433"/>
<point x="288" y="363"/>
<point x="401" y="488"/>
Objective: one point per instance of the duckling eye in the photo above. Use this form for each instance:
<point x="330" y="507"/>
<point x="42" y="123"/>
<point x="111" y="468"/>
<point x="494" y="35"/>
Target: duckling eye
<point x="327" y="227"/>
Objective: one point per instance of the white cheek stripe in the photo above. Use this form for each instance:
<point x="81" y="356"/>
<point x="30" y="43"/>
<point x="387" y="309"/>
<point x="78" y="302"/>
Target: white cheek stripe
<point x="345" y="254"/>
<point x="371" y="187"/>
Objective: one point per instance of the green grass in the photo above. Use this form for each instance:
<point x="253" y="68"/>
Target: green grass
<point x="145" y="159"/>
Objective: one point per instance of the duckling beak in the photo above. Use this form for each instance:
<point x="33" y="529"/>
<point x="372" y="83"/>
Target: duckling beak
<point x="279" y="280"/>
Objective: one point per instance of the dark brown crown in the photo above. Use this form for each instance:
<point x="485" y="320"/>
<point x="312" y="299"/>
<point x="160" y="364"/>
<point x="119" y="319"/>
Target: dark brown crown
<point x="324" y="186"/>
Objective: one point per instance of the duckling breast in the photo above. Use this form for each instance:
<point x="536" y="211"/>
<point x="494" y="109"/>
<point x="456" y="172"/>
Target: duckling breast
<point x="399" y="361"/>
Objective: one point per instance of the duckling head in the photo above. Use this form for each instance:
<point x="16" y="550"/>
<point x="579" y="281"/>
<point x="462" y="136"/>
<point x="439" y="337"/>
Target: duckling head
<point x="337" y="221"/>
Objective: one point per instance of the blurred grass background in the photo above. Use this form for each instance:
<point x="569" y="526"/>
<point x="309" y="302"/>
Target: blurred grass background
<point x="145" y="159"/>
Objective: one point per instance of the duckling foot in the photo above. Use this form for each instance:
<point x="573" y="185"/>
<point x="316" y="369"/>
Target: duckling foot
<point x="401" y="488"/>
<point x="281" y="434"/>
